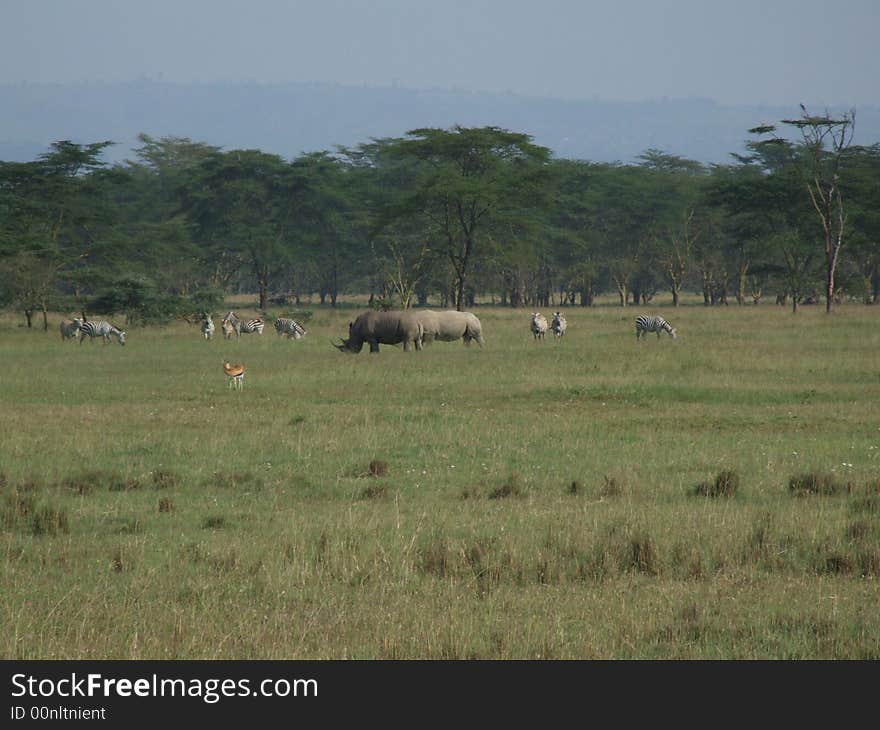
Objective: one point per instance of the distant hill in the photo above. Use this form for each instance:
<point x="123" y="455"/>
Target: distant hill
<point x="289" y="119"/>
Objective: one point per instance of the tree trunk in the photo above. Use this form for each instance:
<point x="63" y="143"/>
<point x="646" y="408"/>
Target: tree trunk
<point x="27" y="315"/>
<point x="829" y="279"/>
<point x="45" y="320"/>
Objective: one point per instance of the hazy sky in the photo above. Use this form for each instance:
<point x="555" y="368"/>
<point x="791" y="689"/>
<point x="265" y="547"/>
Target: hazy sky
<point x="735" y="51"/>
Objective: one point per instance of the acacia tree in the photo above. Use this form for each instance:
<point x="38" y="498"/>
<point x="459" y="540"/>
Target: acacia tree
<point x="55" y="215"/>
<point x="824" y="141"/>
<point x="470" y="181"/>
<point x="247" y="201"/>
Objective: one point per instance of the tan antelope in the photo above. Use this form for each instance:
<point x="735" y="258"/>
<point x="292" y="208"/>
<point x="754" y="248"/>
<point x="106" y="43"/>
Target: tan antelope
<point x="234" y="375"/>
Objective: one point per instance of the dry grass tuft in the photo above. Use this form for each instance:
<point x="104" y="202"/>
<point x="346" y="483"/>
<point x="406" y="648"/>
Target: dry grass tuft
<point x="725" y="485"/>
<point x="214" y="522"/>
<point x="165" y="479"/>
<point x="375" y="491"/>
<point x="509" y="488"/>
<point x="610" y="487"/>
<point x="378" y="468"/>
<point x="815" y="483"/>
<point x="49" y="520"/>
<point x="644" y="556"/>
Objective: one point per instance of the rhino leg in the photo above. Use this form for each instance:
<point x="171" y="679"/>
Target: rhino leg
<point x="374" y="346"/>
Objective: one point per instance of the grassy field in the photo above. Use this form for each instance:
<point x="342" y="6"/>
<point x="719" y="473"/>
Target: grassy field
<point x="526" y="500"/>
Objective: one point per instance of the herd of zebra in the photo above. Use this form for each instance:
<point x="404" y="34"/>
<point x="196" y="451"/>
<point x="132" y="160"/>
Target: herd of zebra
<point x="644" y="323"/>
<point x="79" y="328"/>
<point x="232" y="325"/>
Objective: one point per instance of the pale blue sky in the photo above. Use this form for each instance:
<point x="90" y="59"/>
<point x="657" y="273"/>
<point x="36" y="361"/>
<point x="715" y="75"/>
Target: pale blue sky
<point x="736" y="52"/>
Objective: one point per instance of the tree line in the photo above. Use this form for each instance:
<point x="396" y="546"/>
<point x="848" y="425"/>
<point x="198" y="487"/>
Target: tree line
<point x="450" y="214"/>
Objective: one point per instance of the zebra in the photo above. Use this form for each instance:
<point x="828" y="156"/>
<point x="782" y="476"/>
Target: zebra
<point x="246" y="326"/>
<point x="285" y="326"/>
<point x="208" y="327"/>
<point x="558" y="324"/>
<point x="70" y="329"/>
<point x="101" y="329"/>
<point x="652" y="323"/>
<point x="539" y="325"/>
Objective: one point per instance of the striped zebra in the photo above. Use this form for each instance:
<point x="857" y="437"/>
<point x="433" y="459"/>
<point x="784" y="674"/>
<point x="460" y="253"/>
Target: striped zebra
<point x="208" y="327"/>
<point x="70" y="329"/>
<point x="285" y="326"/>
<point x="242" y="326"/>
<point x="539" y="325"/>
<point x="558" y="325"/>
<point x="101" y="329"/>
<point x="652" y="323"/>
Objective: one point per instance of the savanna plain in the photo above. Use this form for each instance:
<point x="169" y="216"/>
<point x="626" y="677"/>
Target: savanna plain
<point x="713" y="497"/>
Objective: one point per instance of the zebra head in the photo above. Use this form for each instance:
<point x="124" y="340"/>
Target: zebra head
<point x="120" y="335"/>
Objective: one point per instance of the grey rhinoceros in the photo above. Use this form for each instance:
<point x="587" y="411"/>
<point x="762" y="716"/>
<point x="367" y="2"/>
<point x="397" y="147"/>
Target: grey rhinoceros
<point x="450" y="326"/>
<point x="383" y="328"/>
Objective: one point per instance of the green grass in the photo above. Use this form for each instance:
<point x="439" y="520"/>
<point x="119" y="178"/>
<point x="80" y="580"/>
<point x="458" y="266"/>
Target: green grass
<point x="146" y="511"/>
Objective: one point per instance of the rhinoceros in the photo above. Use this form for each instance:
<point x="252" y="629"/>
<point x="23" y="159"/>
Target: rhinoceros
<point x="450" y="326"/>
<point x="385" y="328"/>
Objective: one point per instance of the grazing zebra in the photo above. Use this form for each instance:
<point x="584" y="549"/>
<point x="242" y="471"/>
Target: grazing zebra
<point x="558" y="324"/>
<point x="208" y="327"/>
<point x="652" y="323"/>
<point x="101" y="329"/>
<point x="234" y="375"/>
<point x="285" y="326"/>
<point x="539" y="325"/>
<point x="70" y="329"/>
<point x="246" y="326"/>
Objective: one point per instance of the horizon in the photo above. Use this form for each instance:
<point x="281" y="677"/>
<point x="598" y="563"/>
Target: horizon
<point x="752" y="54"/>
<point x="391" y="86"/>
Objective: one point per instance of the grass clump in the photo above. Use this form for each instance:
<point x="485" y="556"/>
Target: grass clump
<point x="726" y="484"/>
<point x="164" y="479"/>
<point x="509" y="488"/>
<point x="814" y="483"/>
<point x="378" y="468"/>
<point x="17" y="507"/>
<point x="166" y="505"/>
<point x="375" y="491"/>
<point x="610" y="487"/>
<point x="643" y="554"/>
<point x="435" y="559"/>
<point x="85" y="482"/>
<point x="214" y="522"/>
<point x="49" y="520"/>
